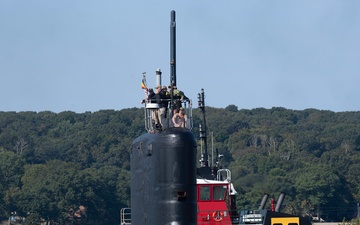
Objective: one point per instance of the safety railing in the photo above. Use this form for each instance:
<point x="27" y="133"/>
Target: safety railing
<point x="158" y="117"/>
<point x="204" y="217"/>
<point x="125" y="216"/>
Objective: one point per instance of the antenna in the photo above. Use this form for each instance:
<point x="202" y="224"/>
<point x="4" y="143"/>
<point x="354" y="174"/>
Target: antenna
<point x="204" y="156"/>
<point x="173" y="49"/>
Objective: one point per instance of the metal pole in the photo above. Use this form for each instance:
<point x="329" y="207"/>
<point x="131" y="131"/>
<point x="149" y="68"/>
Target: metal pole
<point x="202" y="129"/>
<point x="173" y="49"/>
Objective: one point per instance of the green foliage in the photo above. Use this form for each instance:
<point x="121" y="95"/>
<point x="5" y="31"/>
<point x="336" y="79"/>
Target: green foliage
<point x="11" y="170"/>
<point x="52" y="162"/>
<point x="232" y="108"/>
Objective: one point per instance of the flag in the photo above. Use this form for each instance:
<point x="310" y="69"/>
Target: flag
<point x="143" y="84"/>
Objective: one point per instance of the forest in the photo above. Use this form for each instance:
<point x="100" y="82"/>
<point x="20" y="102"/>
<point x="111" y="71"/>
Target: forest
<point x="75" y="167"/>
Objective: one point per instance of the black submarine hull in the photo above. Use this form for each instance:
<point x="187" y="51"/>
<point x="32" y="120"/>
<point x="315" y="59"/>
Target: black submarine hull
<point x="163" y="178"/>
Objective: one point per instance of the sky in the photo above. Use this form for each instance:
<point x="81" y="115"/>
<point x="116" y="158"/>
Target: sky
<point x="89" y="55"/>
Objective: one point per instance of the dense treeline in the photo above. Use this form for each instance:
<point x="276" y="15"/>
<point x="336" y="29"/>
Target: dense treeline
<point x="59" y="166"/>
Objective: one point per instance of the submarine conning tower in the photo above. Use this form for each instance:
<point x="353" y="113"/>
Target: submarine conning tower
<point x="163" y="160"/>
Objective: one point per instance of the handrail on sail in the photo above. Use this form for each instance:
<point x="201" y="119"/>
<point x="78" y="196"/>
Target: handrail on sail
<point x="158" y="118"/>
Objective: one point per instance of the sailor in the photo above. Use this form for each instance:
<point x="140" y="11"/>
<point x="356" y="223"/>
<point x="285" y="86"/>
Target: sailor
<point x="159" y="114"/>
<point x="180" y="119"/>
<point x="166" y="95"/>
<point x="151" y="94"/>
<point x="178" y="97"/>
<point x="163" y="106"/>
<point x="151" y="98"/>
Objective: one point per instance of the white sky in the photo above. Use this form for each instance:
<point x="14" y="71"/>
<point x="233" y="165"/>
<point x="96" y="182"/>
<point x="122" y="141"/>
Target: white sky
<point x="88" y="55"/>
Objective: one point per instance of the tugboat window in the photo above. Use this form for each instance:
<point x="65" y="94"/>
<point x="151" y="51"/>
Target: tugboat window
<point x="205" y="193"/>
<point x="219" y="192"/>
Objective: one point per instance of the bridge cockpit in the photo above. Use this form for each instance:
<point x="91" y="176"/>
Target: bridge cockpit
<point x="167" y="114"/>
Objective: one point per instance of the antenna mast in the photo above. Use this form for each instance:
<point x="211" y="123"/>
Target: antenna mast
<point x="204" y="156"/>
<point x="173" y="49"/>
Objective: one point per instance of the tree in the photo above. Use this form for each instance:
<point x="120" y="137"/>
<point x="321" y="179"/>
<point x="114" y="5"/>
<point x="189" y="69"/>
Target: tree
<point x="11" y="170"/>
<point x="232" y="108"/>
<point x="319" y="186"/>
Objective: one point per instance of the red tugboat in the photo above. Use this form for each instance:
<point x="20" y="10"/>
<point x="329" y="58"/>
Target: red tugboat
<point x="215" y="201"/>
<point x="166" y="186"/>
<point x="216" y="195"/>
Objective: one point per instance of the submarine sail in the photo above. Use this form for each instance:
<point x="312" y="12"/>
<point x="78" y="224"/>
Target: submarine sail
<point x="163" y="165"/>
